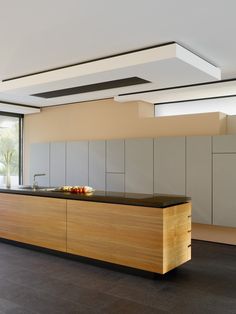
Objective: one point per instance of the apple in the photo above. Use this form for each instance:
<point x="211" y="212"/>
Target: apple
<point x="74" y="190"/>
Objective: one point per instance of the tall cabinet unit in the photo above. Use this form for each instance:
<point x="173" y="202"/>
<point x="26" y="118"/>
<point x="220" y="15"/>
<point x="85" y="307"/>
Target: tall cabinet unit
<point x="97" y="164"/>
<point x="169" y="165"/>
<point x="77" y="160"/>
<point x="202" y="167"/>
<point x="57" y="163"/>
<point x="199" y="177"/>
<point x="39" y="162"/>
<point x="139" y="166"/>
<point x="115" y="165"/>
<point x="224" y="180"/>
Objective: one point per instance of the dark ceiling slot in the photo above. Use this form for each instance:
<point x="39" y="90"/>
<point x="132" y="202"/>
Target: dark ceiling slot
<point x="92" y="87"/>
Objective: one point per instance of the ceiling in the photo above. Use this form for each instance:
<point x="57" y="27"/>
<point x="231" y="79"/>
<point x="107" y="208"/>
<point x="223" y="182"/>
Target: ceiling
<point x="160" y="67"/>
<point x="43" y="35"/>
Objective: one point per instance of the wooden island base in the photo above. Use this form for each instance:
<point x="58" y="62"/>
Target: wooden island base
<point x="153" y="239"/>
<point x="147" y="238"/>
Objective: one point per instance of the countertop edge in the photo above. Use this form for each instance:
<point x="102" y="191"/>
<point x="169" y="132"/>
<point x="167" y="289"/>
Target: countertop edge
<point x="156" y="200"/>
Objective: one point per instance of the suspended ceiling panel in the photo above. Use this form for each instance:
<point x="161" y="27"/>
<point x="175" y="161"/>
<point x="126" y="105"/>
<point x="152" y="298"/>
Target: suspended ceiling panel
<point x="18" y="109"/>
<point x="160" y="67"/>
<point x="212" y="90"/>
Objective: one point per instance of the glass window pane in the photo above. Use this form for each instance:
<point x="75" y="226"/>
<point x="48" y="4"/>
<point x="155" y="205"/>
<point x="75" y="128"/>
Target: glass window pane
<point x="9" y="150"/>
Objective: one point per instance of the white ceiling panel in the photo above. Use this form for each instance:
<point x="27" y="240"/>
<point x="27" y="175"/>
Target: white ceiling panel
<point x="213" y="90"/>
<point x="18" y="109"/>
<point x="164" y="66"/>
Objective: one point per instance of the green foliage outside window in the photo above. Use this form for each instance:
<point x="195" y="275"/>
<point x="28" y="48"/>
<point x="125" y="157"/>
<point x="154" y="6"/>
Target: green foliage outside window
<point x="9" y="151"/>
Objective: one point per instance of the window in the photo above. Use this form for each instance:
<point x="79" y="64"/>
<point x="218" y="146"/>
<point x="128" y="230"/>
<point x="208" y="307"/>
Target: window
<point x="225" y="105"/>
<point x="10" y="149"/>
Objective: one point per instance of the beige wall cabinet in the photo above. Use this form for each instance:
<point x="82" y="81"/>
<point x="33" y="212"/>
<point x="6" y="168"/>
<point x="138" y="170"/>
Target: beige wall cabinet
<point x="224" y="180"/>
<point x="115" y="165"/>
<point x="199" y="177"/>
<point x="224" y="143"/>
<point x="115" y="182"/>
<point x="57" y="163"/>
<point x="77" y="157"/>
<point x="139" y="166"/>
<point x="97" y="164"/>
<point x="39" y="162"/>
<point x="169" y="165"/>
<point x="224" y="189"/>
<point x="115" y="156"/>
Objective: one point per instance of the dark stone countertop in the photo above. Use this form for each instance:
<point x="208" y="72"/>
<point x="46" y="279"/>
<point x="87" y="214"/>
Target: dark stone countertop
<point x="147" y="200"/>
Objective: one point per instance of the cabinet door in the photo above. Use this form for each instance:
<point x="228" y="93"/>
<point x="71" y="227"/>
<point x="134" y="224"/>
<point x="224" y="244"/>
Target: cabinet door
<point x="169" y="165"/>
<point x="34" y="220"/>
<point x="199" y="177"/>
<point x="39" y="162"/>
<point x="77" y="163"/>
<point x="115" y="182"/>
<point x="139" y="166"/>
<point x="115" y="156"/>
<point x="224" y="190"/>
<point x="57" y="163"/>
<point x="224" y="143"/>
<point x="121" y="234"/>
<point x="97" y="165"/>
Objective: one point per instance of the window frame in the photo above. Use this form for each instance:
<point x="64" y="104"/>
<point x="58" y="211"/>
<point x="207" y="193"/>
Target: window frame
<point x="21" y="122"/>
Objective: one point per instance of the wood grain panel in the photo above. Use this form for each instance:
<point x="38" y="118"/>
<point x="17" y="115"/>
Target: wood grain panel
<point x="120" y="234"/>
<point x="176" y="236"/>
<point x="34" y="220"/>
<point x="152" y="239"/>
<point x="129" y="235"/>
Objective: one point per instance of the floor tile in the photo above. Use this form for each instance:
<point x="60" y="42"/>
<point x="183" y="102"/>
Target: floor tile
<point x="34" y="282"/>
<point x="129" y="307"/>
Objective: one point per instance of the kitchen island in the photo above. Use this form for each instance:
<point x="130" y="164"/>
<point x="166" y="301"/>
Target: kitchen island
<point x="147" y="232"/>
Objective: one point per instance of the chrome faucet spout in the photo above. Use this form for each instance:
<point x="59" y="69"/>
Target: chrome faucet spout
<point x="35" y="183"/>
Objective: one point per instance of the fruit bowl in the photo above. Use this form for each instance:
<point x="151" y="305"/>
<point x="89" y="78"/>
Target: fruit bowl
<point x="77" y="189"/>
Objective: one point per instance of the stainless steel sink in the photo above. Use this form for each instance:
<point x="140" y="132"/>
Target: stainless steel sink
<point x="26" y="187"/>
<point x="46" y="189"/>
<point x="39" y="188"/>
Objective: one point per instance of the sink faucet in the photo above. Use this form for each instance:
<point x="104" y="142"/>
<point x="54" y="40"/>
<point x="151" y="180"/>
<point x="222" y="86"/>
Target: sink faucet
<point x="35" y="183"/>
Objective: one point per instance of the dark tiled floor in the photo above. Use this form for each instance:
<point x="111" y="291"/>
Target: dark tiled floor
<point x="34" y="282"/>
